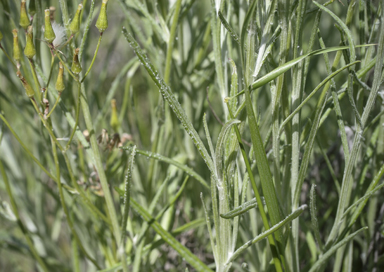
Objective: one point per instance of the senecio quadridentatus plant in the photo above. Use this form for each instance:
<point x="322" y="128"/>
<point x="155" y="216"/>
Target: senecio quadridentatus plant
<point x="55" y="37"/>
<point x="255" y="45"/>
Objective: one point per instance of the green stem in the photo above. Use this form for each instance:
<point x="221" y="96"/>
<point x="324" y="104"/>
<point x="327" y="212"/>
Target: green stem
<point x="25" y="148"/>
<point x="66" y="67"/>
<point x="54" y="106"/>
<point x="62" y="200"/>
<point x="10" y="59"/>
<point x="99" y="166"/>
<point x="258" y="198"/>
<point x="94" y="57"/>
<point x="49" y="77"/>
<point x="21" y="226"/>
<point x="172" y="35"/>
<point x="37" y="83"/>
<point x="77" y="119"/>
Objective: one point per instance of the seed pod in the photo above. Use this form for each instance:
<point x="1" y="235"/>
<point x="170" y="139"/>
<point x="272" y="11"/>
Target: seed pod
<point x="60" y="81"/>
<point x="74" y="27"/>
<point x="27" y="87"/>
<point x="32" y="8"/>
<point x="114" y="118"/>
<point x="29" y="50"/>
<point x="49" y="34"/>
<point x="16" y="48"/>
<point x="24" y="19"/>
<point x="102" y="21"/>
<point x="76" y="67"/>
<point x="1" y="36"/>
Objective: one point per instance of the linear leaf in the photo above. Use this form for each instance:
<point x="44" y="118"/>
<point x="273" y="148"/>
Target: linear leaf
<point x="168" y="95"/>
<point x="184" y="252"/>
<point x="320" y="262"/>
<point x="220" y="145"/>
<point x="313" y="211"/>
<point x="273" y="229"/>
<point x="318" y="87"/>
<point x="181" y="166"/>
<point x="243" y="208"/>
<point x="233" y="34"/>
<point x="127" y="192"/>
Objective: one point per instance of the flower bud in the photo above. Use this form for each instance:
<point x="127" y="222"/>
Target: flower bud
<point x="29" y="50"/>
<point x="16" y="48"/>
<point x="102" y="21"/>
<point x="27" y="87"/>
<point x="49" y="34"/>
<point x="24" y="19"/>
<point x="74" y="27"/>
<point x="114" y="118"/>
<point x="60" y="81"/>
<point x="76" y="67"/>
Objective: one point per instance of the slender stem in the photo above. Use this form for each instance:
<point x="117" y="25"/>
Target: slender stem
<point x="10" y="59"/>
<point x="257" y="195"/>
<point x="62" y="200"/>
<point x="94" y="57"/>
<point x="172" y="35"/>
<point x="49" y="77"/>
<point x="25" y="148"/>
<point x="21" y="226"/>
<point x="37" y="83"/>
<point x="77" y="119"/>
<point x="54" y="106"/>
<point x="66" y="67"/>
<point x="99" y="166"/>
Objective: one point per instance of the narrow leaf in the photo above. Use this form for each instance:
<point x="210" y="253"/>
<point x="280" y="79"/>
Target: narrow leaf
<point x="313" y="210"/>
<point x="168" y="95"/>
<point x="184" y="252"/>
<point x="240" y="209"/>
<point x="183" y="167"/>
<point x="323" y="259"/>
<point x="127" y="192"/>
<point x="273" y="229"/>
<point x="233" y="34"/>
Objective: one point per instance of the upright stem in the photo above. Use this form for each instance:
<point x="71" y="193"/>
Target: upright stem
<point x="172" y="35"/>
<point x="99" y="166"/>
<point x="21" y="226"/>
<point x="94" y="57"/>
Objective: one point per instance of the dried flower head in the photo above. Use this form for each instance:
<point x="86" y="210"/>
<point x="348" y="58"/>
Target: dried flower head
<point x="60" y="34"/>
